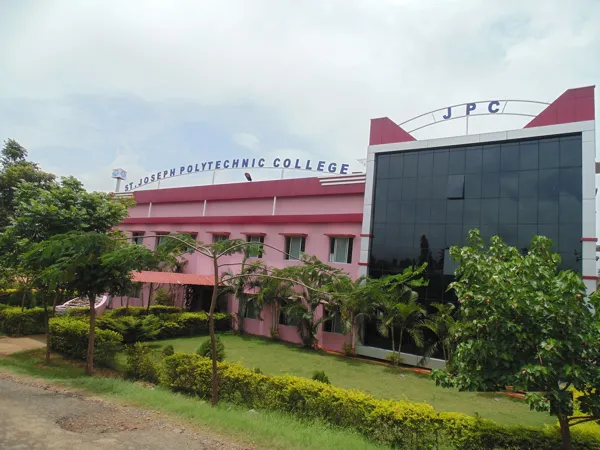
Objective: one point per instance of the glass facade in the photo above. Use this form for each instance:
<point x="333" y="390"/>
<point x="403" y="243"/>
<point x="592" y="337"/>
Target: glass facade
<point x="427" y="200"/>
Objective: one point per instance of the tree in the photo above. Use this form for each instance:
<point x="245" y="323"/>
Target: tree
<point x="43" y="210"/>
<point x="392" y="301"/>
<point x="91" y="264"/>
<point x="314" y="282"/>
<point x="441" y="323"/>
<point x="250" y="277"/>
<point x="15" y="169"/>
<point x="523" y="323"/>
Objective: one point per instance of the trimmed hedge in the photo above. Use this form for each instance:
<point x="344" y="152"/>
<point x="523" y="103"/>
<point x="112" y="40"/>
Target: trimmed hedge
<point x="398" y="423"/>
<point x="141" y="311"/>
<point x="70" y="336"/>
<point x="29" y="321"/>
<point x="141" y="364"/>
<point x="133" y="329"/>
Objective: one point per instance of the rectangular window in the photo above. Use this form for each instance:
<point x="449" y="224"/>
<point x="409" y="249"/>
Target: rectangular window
<point x="137" y="237"/>
<point x="252" y="310"/>
<point x="340" y="250"/>
<point x="284" y="319"/>
<point x="220" y="237"/>
<point x="456" y="187"/>
<point x="294" y="247"/>
<point x="333" y="325"/>
<point x="259" y="240"/>
<point x="160" y="238"/>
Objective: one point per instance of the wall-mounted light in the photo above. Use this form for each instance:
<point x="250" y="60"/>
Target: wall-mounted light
<point x="248" y="176"/>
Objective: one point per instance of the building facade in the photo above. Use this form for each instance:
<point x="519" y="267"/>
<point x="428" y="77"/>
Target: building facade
<point x="417" y="199"/>
<point x="317" y="216"/>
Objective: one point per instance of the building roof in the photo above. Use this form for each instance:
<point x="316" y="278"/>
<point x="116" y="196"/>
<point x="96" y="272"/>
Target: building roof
<point x="295" y="187"/>
<point x="173" y="278"/>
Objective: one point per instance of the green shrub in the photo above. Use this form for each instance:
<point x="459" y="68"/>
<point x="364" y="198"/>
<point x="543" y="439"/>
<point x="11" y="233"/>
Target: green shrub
<point x="205" y="350"/>
<point x="84" y="311"/>
<point x="194" y="323"/>
<point x="164" y="309"/>
<point x="132" y="328"/>
<point x="141" y="311"/>
<point x="223" y="321"/>
<point x="257" y="370"/>
<point x="163" y="297"/>
<point x="400" y="424"/>
<point x="171" y="329"/>
<point x="319" y="375"/>
<point x="124" y="311"/>
<point x="69" y="337"/>
<point x="29" y="321"/>
<point x="168" y="350"/>
<point x="141" y="364"/>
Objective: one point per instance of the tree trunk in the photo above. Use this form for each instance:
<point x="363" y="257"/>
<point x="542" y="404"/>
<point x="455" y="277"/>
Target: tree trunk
<point x="89" y="369"/>
<point x="211" y="331"/>
<point x="393" y="345"/>
<point x="48" y="336"/>
<point x="149" y="299"/>
<point x="47" y="318"/>
<point x="23" y="299"/>
<point x="565" y="432"/>
<point x="400" y="345"/>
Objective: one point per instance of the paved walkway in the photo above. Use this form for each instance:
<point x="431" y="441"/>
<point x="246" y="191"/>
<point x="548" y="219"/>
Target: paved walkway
<point x="9" y="345"/>
<point x="36" y="415"/>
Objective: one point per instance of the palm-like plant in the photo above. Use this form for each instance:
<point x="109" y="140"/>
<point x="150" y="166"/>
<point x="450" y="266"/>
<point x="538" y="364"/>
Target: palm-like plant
<point x="442" y="323"/>
<point x="237" y="284"/>
<point x="396" y="304"/>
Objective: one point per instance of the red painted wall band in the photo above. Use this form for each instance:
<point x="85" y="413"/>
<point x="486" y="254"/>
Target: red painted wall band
<point x="366" y="235"/>
<point x="589" y="239"/>
<point x="298" y="187"/>
<point x="363" y="264"/>
<point x="307" y="218"/>
<point x="589" y="277"/>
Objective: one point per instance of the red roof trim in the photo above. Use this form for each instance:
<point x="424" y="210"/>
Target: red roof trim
<point x="293" y="234"/>
<point x="574" y="105"/>
<point x="219" y="233"/>
<point x="385" y="131"/>
<point x="172" y="278"/>
<point x="296" y="187"/>
<point x="340" y="235"/>
<point x="253" y="233"/>
<point x="305" y="218"/>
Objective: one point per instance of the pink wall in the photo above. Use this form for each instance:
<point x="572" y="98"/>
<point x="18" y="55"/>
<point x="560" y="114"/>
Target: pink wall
<point x="341" y="204"/>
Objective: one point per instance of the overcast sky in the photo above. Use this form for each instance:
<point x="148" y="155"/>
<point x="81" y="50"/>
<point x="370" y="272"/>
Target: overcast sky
<point x="88" y="86"/>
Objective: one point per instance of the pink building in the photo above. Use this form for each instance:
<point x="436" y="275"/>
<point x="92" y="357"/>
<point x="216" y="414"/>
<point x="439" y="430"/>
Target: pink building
<point x="316" y="216"/>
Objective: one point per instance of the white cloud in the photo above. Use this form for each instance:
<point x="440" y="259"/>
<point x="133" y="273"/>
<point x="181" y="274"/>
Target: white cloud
<point x="246" y="140"/>
<point x="323" y="68"/>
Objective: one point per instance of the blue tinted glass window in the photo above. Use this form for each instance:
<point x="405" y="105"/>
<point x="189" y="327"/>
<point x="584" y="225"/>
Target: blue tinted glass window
<point x="456" y="186"/>
<point x="510" y="157"/>
<point x="457" y="161"/>
<point x="528" y="155"/>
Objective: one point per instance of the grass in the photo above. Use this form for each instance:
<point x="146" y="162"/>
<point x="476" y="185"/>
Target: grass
<point x="277" y="358"/>
<point x="264" y="429"/>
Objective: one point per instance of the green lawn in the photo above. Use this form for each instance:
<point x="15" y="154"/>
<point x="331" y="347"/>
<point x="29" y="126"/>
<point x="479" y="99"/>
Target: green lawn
<point x="264" y="429"/>
<point x="278" y="358"/>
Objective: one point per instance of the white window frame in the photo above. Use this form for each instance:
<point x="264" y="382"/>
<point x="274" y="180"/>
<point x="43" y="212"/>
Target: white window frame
<point x="288" y="248"/>
<point x="258" y="239"/>
<point x="137" y="237"/>
<point x="347" y="259"/>
<point x="159" y="238"/>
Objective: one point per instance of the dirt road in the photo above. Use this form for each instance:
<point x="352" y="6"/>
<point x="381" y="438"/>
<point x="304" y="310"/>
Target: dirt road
<point x="36" y="415"/>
